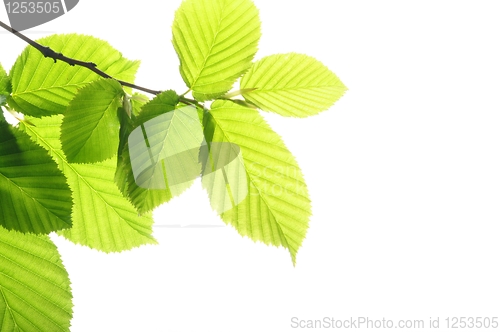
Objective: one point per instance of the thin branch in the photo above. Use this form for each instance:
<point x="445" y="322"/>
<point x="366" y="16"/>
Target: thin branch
<point x="49" y="53"/>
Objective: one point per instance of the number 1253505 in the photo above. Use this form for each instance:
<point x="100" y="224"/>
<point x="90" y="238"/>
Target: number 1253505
<point x="39" y="7"/>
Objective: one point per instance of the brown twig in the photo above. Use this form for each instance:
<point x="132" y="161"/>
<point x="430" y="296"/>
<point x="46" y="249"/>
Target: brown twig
<point x="49" y="53"/>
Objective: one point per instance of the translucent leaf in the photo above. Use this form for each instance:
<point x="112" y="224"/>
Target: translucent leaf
<point x="102" y="218"/>
<point x="138" y="100"/>
<point x="35" y="292"/>
<point x="216" y="41"/>
<point x="33" y="191"/>
<point x="277" y="208"/>
<point x="89" y="132"/>
<point x="163" y="151"/>
<point x="162" y="103"/>
<point x="41" y="87"/>
<point x="291" y="85"/>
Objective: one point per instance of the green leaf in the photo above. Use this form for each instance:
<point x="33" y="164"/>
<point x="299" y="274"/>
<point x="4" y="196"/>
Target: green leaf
<point x="5" y="87"/>
<point x="291" y="85"/>
<point x="138" y="100"/>
<point x="126" y="127"/>
<point x="216" y="41"/>
<point x="162" y="152"/>
<point x="102" y="218"/>
<point x="162" y="103"/>
<point x="42" y="87"/>
<point x="277" y="208"/>
<point x="34" y="194"/>
<point x="89" y="132"/>
<point x="35" y="292"/>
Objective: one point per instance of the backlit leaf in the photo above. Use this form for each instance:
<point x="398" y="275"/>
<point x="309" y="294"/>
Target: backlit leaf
<point x="102" y="218"/>
<point x="216" y="41"/>
<point x="41" y="87"/>
<point x="33" y="191"/>
<point x="291" y="85"/>
<point x="163" y="152"/>
<point x="89" y="132"/>
<point x="35" y="292"/>
<point x="277" y="208"/>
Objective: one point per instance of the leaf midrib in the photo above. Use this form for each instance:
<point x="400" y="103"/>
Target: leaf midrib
<point x="35" y="91"/>
<point x="35" y="201"/>
<point x="63" y="159"/>
<point x="8" y="307"/>
<point x="97" y="123"/>
<point x="258" y="189"/>
<point x="28" y="304"/>
<point x="209" y="53"/>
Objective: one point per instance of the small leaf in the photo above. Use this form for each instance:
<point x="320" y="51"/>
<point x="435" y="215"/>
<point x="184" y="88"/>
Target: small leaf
<point x="35" y="292"/>
<point x="89" y="132"/>
<point x="277" y="208"/>
<point x="102" y="218"/>
<point x="163" y="152"/>
<point x="138" y="100"/>
<point x="34" y="194"/>
<point x="41" y="87"/>
<point x="291" y="85"/>
<point x="162" y="103"/>
<point x="216" y="41"/>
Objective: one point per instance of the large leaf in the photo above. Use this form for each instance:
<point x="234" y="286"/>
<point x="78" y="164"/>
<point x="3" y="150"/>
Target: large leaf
<point x="5" y="87"/>
<point x="102" y="218"/>
<point x="89" y="132"/>
<point x="277" y="208"/>
<point x="41" y="87"/>
<point x="34" y="195"/>
<point x="162" y="152"/>
<point x="216" y="41"/>
<point x="291" y="85"/>
<point x="35" y="292"/>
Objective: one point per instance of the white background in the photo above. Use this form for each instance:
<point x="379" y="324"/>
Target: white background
<point x="403" y="172"/>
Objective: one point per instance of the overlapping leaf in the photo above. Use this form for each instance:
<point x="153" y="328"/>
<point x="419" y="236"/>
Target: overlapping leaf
<point x="35" y="292"/>
<point x="89" y="132"/>
<point x="291" y="85"/>
<point x="34" y="194"/>
<point x="162" y="152"/>
<point x="138" y="100"/>
<point x="216" y="41"/>
<point x="102" y="218"/>
<point x="224" y="175"/>
<point x="41" y="87"/>
<point x="277" y="208"/>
